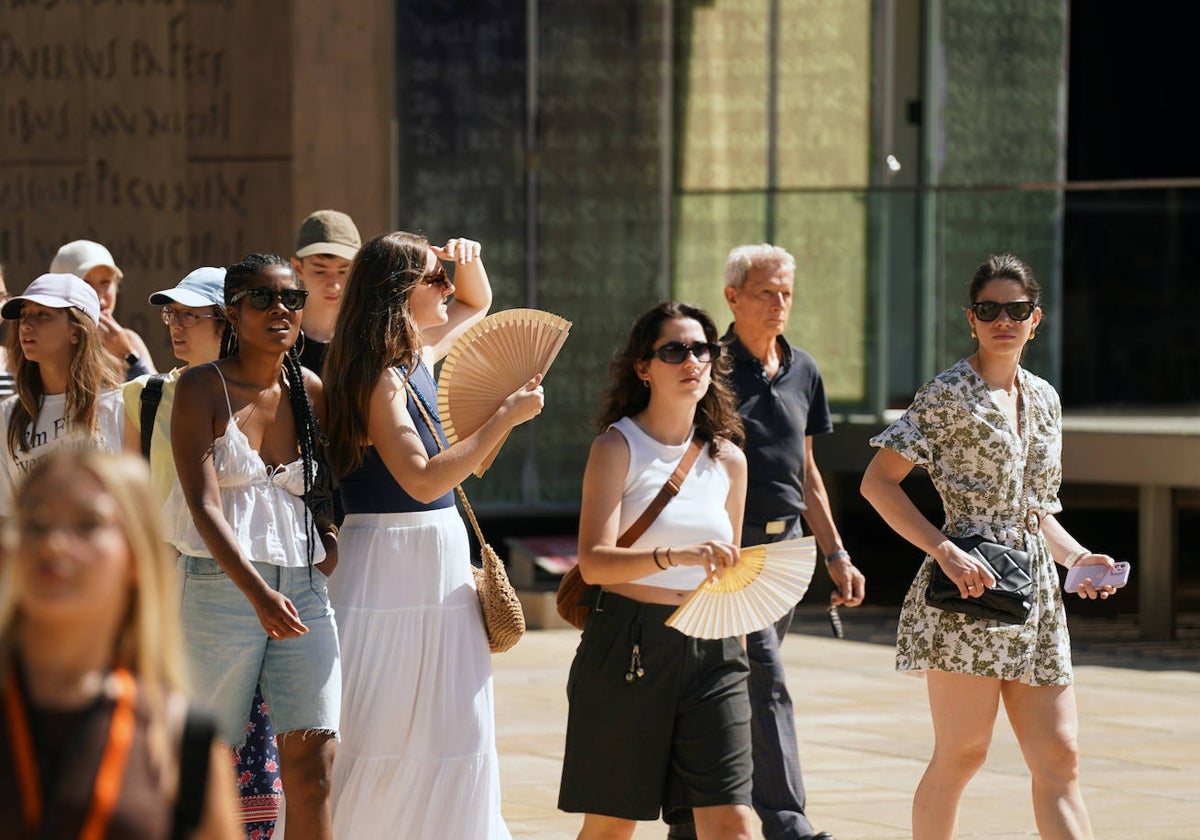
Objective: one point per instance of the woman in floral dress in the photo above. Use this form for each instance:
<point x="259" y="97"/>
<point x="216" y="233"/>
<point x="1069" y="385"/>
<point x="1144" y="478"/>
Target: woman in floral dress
<point x="989" y="434"/>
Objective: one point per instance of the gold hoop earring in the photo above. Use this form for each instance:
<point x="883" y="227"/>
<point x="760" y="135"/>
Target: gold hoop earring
<point x="1033" y="335"/>
<point x="973" y="334"/>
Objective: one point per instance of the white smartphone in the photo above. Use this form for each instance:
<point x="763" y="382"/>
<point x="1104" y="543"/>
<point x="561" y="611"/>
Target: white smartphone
<point x="1115" y="577"/>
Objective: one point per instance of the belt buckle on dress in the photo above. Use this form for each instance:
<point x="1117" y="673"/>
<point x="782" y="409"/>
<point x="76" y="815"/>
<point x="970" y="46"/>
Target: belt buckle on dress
<point x="1033" y="520"/>
<point x="775" y="526"/>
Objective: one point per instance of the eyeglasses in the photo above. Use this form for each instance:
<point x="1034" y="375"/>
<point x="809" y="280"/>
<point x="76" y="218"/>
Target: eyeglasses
<point x="437" y="277"/>
<point x="989" y="310"/>
<point x="184" y="318"/>
<point x="676" y="352"/>
<point x="263" y="298"/>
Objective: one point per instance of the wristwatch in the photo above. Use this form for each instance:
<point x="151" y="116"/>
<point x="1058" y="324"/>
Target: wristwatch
<point x="132" y="359"/>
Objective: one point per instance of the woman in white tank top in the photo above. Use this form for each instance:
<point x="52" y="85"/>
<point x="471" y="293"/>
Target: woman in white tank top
<point x="659" y="722"/>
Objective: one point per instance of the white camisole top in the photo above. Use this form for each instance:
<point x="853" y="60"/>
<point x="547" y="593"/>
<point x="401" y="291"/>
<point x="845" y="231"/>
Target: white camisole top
<point x="262" y="504"/>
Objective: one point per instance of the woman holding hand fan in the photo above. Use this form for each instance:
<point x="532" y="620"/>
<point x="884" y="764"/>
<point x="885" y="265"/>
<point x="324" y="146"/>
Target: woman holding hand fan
<point x="659" y="722"/>
<point x="418" y="751"/>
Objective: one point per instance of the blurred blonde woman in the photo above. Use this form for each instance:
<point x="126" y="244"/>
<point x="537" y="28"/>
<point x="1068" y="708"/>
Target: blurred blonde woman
<point x="96" y="738"/>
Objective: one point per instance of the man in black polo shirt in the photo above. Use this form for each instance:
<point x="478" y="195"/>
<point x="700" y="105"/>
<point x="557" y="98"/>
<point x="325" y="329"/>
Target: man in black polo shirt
<point x="782" y="400"/>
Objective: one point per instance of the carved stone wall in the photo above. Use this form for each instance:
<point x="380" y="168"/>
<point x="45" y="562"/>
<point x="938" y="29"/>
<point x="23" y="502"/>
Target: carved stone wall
<point x="182" y="134"/>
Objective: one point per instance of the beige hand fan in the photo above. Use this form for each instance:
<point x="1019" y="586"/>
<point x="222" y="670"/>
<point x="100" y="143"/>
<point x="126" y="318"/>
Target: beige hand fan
<point x="767" y="582"/>
<point x="491" y="360"/>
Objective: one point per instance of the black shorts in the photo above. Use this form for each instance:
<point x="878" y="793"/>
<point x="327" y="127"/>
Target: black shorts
<point x="675" y="738"/>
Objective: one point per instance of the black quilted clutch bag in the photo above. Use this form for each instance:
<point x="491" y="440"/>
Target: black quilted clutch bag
<point x="1007" y="602"/>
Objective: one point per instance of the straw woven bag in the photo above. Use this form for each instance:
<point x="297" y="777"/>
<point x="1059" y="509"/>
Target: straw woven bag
<point x="503" y="617"/>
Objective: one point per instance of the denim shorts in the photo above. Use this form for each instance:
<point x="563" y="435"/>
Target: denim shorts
<point x="229" y="653"/>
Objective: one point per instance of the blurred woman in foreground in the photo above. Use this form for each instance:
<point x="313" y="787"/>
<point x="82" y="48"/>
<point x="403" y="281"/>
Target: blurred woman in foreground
<point x="96" y="738"/>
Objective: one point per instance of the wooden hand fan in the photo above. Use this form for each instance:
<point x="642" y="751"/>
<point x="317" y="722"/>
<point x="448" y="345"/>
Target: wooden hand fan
<point x="491" y="360"/>
<point x="767" y="582"/>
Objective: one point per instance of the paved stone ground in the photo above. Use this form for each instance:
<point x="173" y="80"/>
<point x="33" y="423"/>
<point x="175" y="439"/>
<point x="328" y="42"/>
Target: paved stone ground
<point x="865" y="733"/>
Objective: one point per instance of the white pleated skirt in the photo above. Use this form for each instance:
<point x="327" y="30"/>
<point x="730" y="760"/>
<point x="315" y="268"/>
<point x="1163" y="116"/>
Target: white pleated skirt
<point x="417" y="757"/>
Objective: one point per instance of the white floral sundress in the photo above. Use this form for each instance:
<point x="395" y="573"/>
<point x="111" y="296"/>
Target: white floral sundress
<point x="955" y="431"/>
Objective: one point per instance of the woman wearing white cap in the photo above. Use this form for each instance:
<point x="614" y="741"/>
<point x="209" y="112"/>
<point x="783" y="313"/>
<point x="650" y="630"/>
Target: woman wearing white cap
<point x="94" y="264"/>
<point x="66" y="384"/>
<point x="194" y="312"/>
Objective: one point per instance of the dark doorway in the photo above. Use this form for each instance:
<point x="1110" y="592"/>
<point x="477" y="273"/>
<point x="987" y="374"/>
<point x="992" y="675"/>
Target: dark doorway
<point x="1129" y="279"/>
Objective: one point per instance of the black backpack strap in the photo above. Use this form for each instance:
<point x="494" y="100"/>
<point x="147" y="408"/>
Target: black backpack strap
<point x="151" y="396"/>
<point x="199" y="730"/>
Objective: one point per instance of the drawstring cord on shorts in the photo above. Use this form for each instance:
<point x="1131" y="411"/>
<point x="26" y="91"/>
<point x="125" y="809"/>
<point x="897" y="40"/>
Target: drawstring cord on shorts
<point x="635" y="660"/>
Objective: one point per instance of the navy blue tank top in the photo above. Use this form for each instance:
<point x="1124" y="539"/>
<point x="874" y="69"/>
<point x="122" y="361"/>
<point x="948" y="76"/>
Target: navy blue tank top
<point x="371" y="488"/>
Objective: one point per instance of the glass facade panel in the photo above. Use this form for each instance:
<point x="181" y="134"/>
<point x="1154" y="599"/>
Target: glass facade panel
<point x="610" y="154"/>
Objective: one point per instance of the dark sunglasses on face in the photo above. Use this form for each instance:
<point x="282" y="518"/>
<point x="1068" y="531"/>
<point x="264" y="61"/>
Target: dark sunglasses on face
<point x="989" y="310"/>
<point x="437" y="277"/>
<point x="676" y="352"/>
<point x="263" y="298"/>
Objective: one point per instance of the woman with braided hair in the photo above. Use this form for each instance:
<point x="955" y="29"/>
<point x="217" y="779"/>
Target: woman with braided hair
<point x="254" y="560"/>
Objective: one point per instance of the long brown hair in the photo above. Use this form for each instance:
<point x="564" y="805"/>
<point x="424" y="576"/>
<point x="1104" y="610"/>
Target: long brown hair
<point x="92" y="370"/>
<point x="375" y="330"/>
<point x="626" y="395"/>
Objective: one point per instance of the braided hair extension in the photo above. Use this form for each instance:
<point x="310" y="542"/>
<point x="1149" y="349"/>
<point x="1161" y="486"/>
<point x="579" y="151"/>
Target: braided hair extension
<point x="308" y="434"/>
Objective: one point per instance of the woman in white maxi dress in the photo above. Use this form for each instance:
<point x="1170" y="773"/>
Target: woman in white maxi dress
<point x="418" y="754"/>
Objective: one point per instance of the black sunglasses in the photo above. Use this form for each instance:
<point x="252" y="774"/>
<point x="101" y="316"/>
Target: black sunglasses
<point x="989" y="310"/>
<point x="263" y="298"/>
<point x="437" y="277"/>
<point x="676" y="352"/>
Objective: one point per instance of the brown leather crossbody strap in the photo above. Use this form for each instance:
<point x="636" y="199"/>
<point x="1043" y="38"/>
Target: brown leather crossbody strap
<point x="668" y="492"/>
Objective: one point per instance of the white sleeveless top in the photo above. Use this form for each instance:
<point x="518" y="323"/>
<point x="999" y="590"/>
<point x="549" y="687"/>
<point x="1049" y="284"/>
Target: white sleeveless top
<point x="696" y="514"/>
<point x="262" y="505"/>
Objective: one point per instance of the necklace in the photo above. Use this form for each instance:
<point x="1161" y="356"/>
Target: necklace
<point x="1010" y="392"/>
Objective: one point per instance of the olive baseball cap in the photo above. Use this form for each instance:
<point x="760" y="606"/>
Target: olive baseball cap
<point x="328" y="232"/>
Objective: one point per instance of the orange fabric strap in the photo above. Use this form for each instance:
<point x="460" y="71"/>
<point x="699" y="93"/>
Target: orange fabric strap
<point x="23" y="755"/>
<point x="106" y="789"/>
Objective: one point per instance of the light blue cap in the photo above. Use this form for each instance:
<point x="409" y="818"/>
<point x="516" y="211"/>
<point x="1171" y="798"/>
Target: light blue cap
<point x="203" y="287"/>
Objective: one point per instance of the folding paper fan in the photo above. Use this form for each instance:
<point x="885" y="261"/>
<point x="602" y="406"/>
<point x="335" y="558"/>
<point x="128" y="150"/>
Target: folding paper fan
<point x="768" y="581"/>
<point x="491" y="360"/>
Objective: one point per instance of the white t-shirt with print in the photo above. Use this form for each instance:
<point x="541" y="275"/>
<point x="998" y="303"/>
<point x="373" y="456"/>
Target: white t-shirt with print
<point x="51" y="433"/>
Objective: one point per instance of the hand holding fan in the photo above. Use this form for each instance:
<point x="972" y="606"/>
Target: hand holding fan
<point x="767" y="582"/>
<point x="491" y="360"/>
